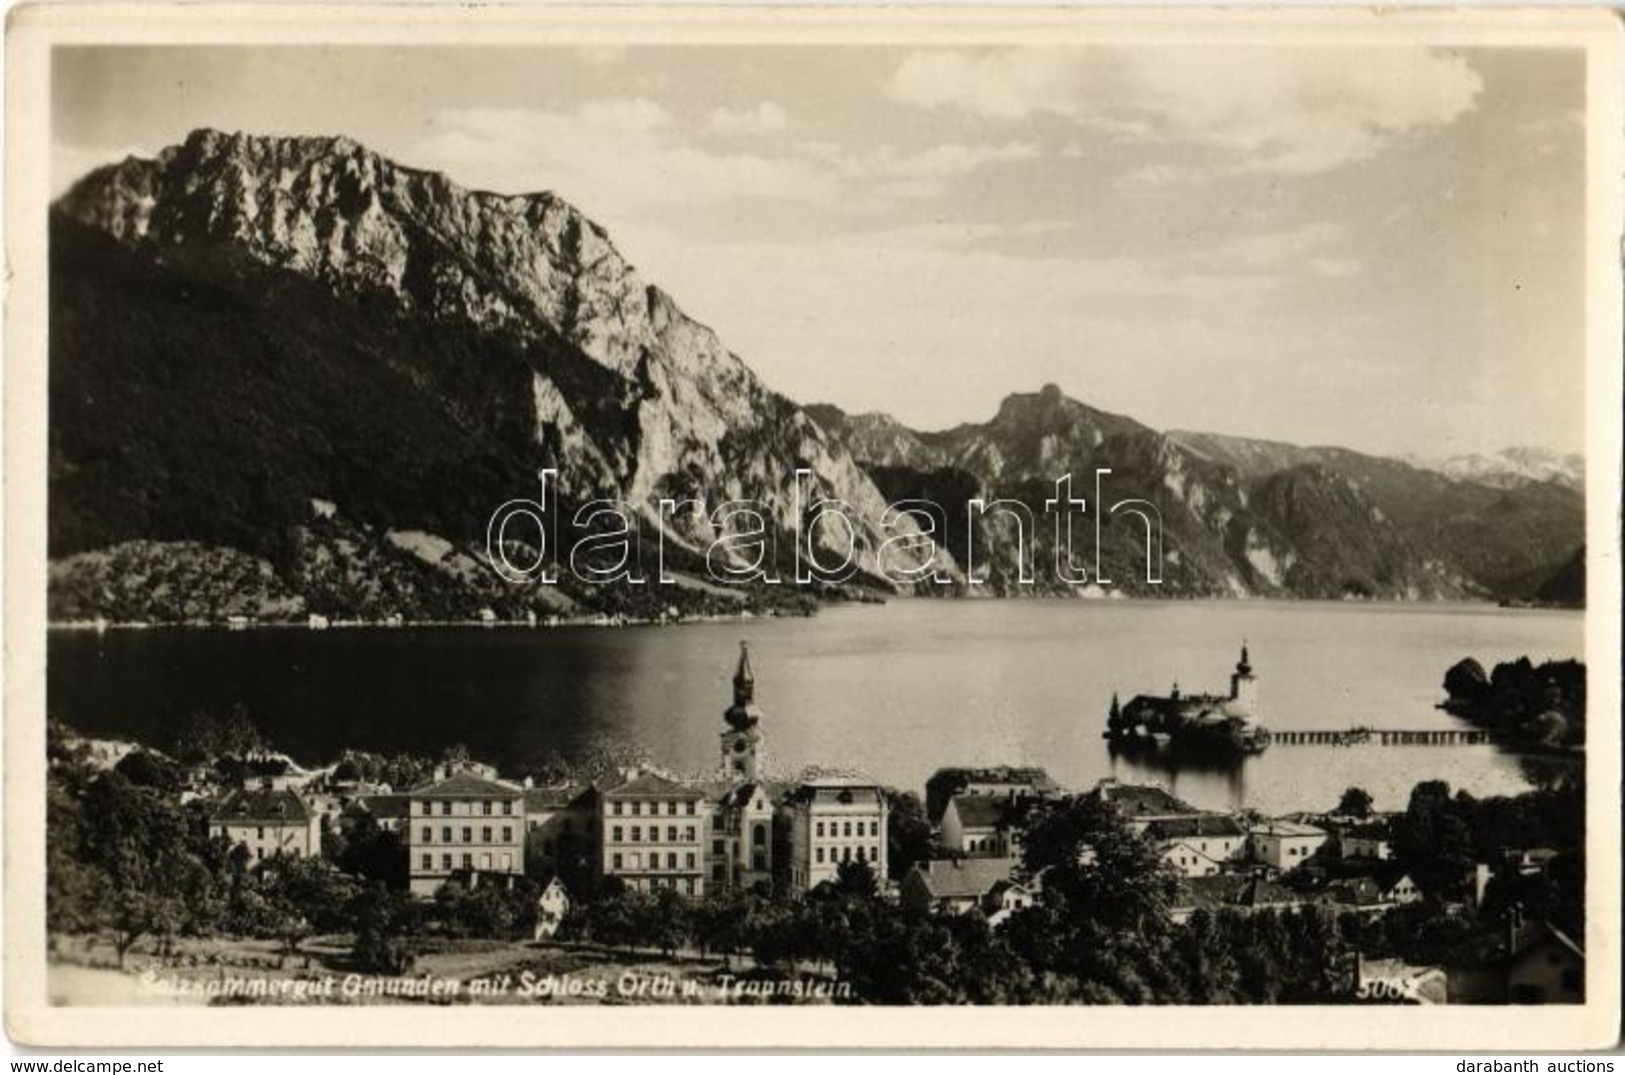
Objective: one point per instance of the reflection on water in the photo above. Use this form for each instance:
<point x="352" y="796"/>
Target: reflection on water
<point x="1204" y="775"/>
<point x="897" y="691"/>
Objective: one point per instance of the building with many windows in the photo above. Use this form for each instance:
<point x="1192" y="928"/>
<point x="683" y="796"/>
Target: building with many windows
<point x="834" y="820"/>
<point x="653" y="834"/>
<point x="461" y="824"/>
<point x="268" y="821"/>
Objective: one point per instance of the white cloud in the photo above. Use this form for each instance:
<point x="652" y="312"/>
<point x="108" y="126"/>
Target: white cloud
<point x="1298" y="111"/>
<point x="617" y="159"/>
<point x="765" y="118"/>
<point x="927" y="173"/>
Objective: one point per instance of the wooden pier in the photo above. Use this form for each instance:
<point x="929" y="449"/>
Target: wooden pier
<point x="1386" y="737"/>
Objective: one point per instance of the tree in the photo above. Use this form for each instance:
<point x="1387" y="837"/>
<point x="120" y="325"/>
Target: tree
<point x="908" y="833"/>
<point x="156" y="877"/>
<point x="721" y="923"/>
<point x="1433" y="841"/>
<point x="1356" y="802"/>
<point x="385" y="921"/>
<point x="372" y="852"/>
<point x="305" y="895"/>
<point x="857" y="879"/>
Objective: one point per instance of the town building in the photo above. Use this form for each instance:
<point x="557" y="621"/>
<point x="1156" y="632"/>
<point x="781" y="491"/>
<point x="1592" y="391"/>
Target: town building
<point x="1207" y="841"/>
<point x="1005" y="899"/>
<point x="1240" y="892"/>
<point x="561" y="823"/>
<point x="463" y="823"/>
<point x="1191" y="861"/>
<point x="742" y="835"/>
<point x="960" y="886"/>
<point x="390" y="813"/>
<point x="833" y="820"/>
<point x="1009" y="782"/>
<point x="1284" y="845"/>
<point x="653" y="835"/>
<point x="267" y="821"/>
<point x="1139" y="804"/>
<point x="980" y="825"/>
<point x="1369" y="841"/>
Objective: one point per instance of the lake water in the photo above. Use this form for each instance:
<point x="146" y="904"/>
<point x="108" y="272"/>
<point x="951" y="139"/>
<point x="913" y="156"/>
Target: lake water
<point x="896" y="690"/>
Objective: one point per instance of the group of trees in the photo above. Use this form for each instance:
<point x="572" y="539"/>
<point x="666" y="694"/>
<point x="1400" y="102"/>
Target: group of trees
<point x="1544" y="704"/>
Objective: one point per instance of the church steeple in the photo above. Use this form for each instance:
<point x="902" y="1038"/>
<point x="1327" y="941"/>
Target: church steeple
<point x="744" y="678"/>
<point x="1244" y="666"/>
<point x="743" y="713"/>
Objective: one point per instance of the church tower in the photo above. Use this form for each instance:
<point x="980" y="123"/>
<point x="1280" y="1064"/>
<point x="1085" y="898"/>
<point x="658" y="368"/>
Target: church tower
<point x="1243" y="688"/>
<point x="742" y="739"/>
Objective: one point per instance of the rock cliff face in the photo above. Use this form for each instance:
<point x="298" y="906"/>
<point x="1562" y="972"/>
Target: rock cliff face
<point x="321" y="323"/>
<point x="1239" y="517"/>
<point x="289" y="376"/>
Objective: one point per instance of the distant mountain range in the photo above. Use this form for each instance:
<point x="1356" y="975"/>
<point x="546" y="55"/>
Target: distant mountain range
<point x="1511" y="467"/>
<point x="1241" y="517"/>
<point x="289" y="376"/>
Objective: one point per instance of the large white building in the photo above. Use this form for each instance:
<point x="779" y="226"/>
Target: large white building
<point x="834" y="820"/>
<point x="461" y="824"/>
<point x="268" y="822"/>
<point x="653" y="835"/>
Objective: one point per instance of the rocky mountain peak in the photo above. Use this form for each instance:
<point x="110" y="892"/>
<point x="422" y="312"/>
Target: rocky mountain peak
<point x="330" y="209"/>
<point x="552" y="330"/>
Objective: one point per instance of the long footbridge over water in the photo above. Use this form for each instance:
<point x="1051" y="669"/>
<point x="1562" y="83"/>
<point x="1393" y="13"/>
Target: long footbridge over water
<point x="1386" y="737"/>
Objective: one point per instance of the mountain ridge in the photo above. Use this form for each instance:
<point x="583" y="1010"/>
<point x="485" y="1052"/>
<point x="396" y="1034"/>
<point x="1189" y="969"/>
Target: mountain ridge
<point x="508" y="327"/>
<point x="243" y="327"/>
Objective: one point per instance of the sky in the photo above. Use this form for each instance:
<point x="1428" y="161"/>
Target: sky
<point x="1377" y="246"/>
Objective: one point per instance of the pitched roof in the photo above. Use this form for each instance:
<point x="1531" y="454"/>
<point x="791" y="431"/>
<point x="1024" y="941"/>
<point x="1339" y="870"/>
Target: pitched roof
<point x="1141" y="800"/>
<point x="980" y="811"/>
<point x="738" y="797"/>
<point x="1284" y="827"/>
<point x="467" y="786"/>
<point x="829" y="791"/>
<point x="261" y="806"/>
<point x="1534" y="936"/>
<point x="1355" y="892"/>
<point x="385" y="805"/>
<point x="556" y="797"/>
<point x="1233" y="890"/>
<point x="964" y="878"/>
<point x="1012" y="775"/>
<point x="1199" y="825"/>
<point x="653" y="786"/>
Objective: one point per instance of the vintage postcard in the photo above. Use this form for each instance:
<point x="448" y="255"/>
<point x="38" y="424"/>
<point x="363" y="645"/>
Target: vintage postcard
<point x="812" y="526"/>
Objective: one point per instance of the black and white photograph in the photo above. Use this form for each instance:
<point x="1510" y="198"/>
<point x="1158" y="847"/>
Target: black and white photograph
<point x="1037" y="515"/>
